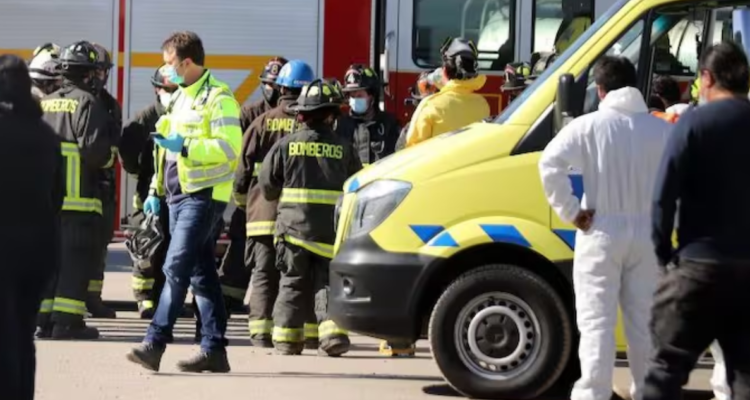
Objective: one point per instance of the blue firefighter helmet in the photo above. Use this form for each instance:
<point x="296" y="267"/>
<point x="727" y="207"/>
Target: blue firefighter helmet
<point x="295" y="74"/>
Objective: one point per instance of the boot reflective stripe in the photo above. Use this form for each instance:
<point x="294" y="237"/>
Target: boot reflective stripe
<point x="146" y="304"/>
<point x="311" y="331"/>
<point x="46" y="306"/>
<point x="233" y="292"/>
<point x="141" y="283"/>
<point x="260" y="228"/>
<point x="311" y="196"/>
<point x="96" y="286"/>
<point x="287" y="335"/>
<point x="256" y="169"/>
<point x="260" y="327"/>
<point x="73" y="200"/>
<point x="329" y="328"/>
<point x="321" y="249"/>
<point x="69" y="306"/>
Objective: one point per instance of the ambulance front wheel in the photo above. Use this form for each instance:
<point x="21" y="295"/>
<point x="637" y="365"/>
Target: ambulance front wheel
<point x="501" y="331"/>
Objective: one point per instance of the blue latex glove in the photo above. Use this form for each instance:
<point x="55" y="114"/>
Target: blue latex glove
<point x="173" y="142"/>
<point x="151" y="205"/>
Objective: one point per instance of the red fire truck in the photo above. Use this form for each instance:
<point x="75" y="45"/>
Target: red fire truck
<point x="400" y="38"/>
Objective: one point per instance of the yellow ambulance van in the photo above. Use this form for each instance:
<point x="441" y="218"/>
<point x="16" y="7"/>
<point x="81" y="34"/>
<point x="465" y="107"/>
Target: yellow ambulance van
<point x="453" y="238"/>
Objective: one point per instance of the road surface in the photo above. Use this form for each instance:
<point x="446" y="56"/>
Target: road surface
<point x="99" y="371"/>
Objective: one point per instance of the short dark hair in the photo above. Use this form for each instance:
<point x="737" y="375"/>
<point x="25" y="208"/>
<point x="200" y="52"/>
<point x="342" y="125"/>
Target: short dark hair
<point x="655" y="103"/>
<point x="186" y="44"/>
<point x="727" y="63"/>
<point x="612" y="73"/>
<point x="667" y="88"/>
<point x="15" y="88"/>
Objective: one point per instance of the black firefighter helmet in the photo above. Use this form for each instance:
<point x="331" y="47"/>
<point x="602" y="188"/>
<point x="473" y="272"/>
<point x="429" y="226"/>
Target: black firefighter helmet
<point x="318" y="94"/>
<point x="158" y="80"/>
<point x="144" y="241"/>
<point x="359" y="77"/>
<point x="103" y="59"/>
<point x="461" y="53"/>
<point x="82" y="55"/>
<point x="272" y="69"/>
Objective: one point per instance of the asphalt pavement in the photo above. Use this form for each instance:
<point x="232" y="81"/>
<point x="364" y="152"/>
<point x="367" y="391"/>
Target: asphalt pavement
<point x="98" y="370"/>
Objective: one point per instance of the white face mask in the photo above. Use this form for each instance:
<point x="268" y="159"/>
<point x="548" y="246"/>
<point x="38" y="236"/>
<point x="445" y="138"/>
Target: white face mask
<point x="165" y="98"/>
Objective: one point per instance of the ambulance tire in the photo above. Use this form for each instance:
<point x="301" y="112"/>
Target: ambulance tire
<point x="508" y="303"/>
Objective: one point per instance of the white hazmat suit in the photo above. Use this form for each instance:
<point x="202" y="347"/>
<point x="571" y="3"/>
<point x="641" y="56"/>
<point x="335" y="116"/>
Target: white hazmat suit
<point x="618" y="149"/>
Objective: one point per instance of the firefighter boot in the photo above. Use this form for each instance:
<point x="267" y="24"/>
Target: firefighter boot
<point x="43" y="332"/>
<point x="43" y="326"/>
<point x="95" y="306"/>
<point x="147" y="355"/>
<point x="212" y="361"/>
<point x="312" y="343"/>
<point x="395" y="349"/>
<point x="288" y="349"/>
<point x="74" y="331"/>
<point x="334" y="346"/>
<point x="263" y="341"/>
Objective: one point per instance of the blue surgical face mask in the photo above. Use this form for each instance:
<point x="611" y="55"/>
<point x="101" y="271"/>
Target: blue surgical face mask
<point x="358" y="105"/>
<point x="172" y="76"/>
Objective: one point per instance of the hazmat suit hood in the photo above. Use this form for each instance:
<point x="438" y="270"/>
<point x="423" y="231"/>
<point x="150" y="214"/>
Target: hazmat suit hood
<point x="465" y="85"/>
<point x="627" y="100"/>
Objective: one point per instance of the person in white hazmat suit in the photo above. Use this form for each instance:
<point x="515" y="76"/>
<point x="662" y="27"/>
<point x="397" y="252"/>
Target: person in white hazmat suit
<point x="618" y="149"/>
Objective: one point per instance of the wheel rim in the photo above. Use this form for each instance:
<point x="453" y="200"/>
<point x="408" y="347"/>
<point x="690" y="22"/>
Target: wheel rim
<point x="497" y="336"/>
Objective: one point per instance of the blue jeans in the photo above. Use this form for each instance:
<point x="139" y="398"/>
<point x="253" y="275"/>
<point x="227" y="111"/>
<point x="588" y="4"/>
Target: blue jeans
<point x="194" y="222"/>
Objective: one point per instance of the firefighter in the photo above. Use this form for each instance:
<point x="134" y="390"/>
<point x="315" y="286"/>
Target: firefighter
<point x="233" y="273"/>
<point x="44" y="70"/>
<point x="305" y="172"/>
<point x="270" y="93"/>
<point x="263" y="133"/>
<point x="423" y="88"/>
<point x="136" y="155"/>
<point x="107" y="182"/>
<point x="373" y="132"/>
<point x="83" y="123"/>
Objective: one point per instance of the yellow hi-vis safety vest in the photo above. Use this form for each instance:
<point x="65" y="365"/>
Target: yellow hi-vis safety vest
<point x="207" y="115"/>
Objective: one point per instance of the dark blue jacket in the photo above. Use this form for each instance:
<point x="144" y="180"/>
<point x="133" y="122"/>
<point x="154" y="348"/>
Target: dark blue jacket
<point x="706" y="167"/>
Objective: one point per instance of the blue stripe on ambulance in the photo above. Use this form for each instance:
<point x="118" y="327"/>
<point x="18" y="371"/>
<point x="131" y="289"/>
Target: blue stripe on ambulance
<point x="569" y="235"/>
<point x="505" y="234"/>
<point x="353" y="186"/>
<point x="426" y="232"/>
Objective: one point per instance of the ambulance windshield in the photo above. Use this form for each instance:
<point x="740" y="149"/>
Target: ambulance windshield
<point x="550" y="71"/>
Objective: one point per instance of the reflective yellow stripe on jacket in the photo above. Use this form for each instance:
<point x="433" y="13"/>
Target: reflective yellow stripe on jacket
<point x="207" y="116"/>
<point x="260" y="228"/>
<point x="73" y="200"/>
<point x="321" y="249"/>
<point x="310" y="196"/>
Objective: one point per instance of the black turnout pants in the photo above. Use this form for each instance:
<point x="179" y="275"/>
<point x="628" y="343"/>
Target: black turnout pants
<point x="695" y="303"/>
<point x="26" y="271"/>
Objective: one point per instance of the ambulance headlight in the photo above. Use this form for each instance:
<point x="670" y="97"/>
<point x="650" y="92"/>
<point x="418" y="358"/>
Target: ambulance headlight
<point x="375" y="202"/>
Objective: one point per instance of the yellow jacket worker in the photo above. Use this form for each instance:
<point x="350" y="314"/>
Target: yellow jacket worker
<point x="198" y="146"/>
<point x="457" y="104"/>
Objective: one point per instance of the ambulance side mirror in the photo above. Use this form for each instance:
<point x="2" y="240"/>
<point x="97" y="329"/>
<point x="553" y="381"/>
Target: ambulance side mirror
<point x="568" y="102"/>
